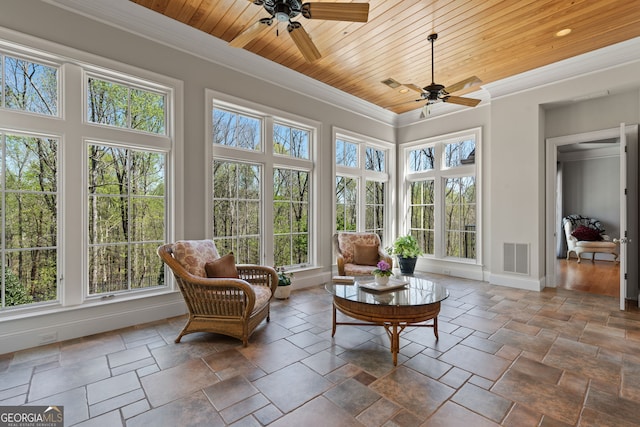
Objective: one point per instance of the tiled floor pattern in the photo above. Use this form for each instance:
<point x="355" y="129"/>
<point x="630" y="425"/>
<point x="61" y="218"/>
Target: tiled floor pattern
<point x="505" y="357"/>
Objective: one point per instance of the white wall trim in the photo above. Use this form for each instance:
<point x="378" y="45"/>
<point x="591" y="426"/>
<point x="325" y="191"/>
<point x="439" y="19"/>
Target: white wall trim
<point x="31" y="332"/>
<point x="517" y="282"/>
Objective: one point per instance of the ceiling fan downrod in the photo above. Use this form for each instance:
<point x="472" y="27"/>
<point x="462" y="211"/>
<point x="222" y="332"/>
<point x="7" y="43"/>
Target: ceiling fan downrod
<point x="432" y="38"/>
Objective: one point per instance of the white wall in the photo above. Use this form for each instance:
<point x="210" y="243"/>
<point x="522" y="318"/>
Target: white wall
<point x="591" y="188"/>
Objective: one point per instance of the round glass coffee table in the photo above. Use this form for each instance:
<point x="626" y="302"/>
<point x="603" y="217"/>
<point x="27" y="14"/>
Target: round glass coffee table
<point x="405" y="301"/>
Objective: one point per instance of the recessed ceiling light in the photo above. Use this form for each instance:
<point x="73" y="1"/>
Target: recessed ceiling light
<point x="563" y="32"/>
<point x="403" y="90"/>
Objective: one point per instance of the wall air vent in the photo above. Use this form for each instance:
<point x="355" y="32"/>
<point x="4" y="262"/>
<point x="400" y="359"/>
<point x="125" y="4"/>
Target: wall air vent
<point x="516" y="258"/>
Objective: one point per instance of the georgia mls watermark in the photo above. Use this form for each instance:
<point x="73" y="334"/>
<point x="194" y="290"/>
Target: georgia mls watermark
<point x="31" y="416"/>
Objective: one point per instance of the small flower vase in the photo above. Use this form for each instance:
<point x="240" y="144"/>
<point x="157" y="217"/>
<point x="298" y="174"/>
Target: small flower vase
<point x="381" y="280"/>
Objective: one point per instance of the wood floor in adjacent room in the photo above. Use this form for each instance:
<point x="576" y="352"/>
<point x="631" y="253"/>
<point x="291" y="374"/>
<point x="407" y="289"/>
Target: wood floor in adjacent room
<point x="598" y="277"/>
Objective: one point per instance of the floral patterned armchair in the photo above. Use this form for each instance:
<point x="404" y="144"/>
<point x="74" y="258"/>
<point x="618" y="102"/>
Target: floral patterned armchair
<point x="358" y="253"/>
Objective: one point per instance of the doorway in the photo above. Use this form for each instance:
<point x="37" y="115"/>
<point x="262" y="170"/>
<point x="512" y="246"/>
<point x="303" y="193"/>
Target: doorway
<point x="588" y="183"/>
<point x="627" y="206"/>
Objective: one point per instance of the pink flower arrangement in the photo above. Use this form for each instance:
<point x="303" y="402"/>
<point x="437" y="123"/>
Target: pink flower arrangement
<point x="383" y="269"/>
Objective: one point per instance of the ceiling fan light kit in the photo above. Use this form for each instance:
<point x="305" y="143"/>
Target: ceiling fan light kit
<point x="435" y="92"/>
<point x="286" y="10"/>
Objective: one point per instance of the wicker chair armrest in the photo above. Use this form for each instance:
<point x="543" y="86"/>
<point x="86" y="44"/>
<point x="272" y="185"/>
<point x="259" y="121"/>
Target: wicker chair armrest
<point x="260" y="275"/>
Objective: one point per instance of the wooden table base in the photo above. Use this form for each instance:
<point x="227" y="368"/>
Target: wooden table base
<point x="394" y="318"/>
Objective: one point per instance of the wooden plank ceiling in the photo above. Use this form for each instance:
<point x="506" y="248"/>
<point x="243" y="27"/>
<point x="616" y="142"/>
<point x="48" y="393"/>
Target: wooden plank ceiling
<point x="491" y="39"/>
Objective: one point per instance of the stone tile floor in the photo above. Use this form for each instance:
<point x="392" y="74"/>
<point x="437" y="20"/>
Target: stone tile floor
<point x="505" y="357"/>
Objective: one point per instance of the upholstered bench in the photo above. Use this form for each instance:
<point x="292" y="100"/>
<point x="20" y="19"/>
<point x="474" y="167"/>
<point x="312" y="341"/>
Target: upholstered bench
<point x="587" y="235"/>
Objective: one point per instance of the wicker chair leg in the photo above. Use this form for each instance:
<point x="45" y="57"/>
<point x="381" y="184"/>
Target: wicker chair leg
<point x="183" y="332"/>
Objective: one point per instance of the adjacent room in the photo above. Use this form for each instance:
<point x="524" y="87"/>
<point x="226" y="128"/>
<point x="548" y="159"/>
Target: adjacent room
<point x="207" y="208"/>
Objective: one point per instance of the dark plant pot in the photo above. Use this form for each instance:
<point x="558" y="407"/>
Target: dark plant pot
<point x="407" y="265"/>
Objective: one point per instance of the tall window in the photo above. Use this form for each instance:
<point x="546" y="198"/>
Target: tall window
<point x="375" y="191"/>
<point x="291" y="217"/>
<point x="291" y="197"/>
<point x="126" y="191"/>
<point x="441" y="189"/>
<point x="29" y="186"/>
<point x="262" y="172"/>
<point x="346" y="203"/>
<point x="237" y="207"/>
<point x="114" y="158"/>
<point x="361" y="185"/>
<point x="30" y="216"/>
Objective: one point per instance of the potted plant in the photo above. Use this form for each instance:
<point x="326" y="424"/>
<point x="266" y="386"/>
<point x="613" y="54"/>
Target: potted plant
<point x="382" y="272"/>
<point x="407" y="249"/>
<point x="284" y="283"/>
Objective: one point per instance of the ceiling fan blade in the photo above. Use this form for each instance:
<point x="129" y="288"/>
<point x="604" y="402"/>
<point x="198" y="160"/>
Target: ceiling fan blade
<point x="353" y="12"/>
<point x="413" y="87"/>
<point x="466" y="83"/>
<point x="250" y="33"/>
<point x="303" y="41"/>
<point x="469" y="102"/>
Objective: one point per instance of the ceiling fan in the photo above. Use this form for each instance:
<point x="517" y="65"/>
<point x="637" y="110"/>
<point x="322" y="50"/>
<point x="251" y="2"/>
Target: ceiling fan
<point x="285" y="10"/>
<point x="434" y="92"/>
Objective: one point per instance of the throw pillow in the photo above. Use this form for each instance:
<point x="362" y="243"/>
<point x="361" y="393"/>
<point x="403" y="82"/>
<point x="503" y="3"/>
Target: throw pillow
<point x="586" y="234"/>
<point x="223" y="267"/>
<point x="365" y="254"/>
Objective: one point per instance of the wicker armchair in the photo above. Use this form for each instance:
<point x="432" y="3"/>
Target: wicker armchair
<point x="227" y="306"/>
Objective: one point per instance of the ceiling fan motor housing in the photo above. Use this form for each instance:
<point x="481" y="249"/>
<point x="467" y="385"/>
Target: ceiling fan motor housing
<point x="433" y="92"/>
<point x="283" y="10"/>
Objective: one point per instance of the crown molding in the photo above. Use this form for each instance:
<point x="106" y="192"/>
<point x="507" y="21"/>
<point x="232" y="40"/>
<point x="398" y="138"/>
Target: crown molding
<point x="133" y="18"/>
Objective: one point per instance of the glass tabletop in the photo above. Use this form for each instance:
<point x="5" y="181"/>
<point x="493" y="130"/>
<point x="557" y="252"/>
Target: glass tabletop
<point x="417" y="291"/>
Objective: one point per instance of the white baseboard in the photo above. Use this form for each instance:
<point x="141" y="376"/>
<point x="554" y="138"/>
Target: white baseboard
<point x="75" y="322"/>
<point x="517" y="282"/>
<point x="46" y="329"/>
<point x="310" y="279"/>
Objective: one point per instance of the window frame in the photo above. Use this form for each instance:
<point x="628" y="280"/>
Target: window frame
<point x="269" y="161"/>
<point x="36" y="306"/>
<point x="439" y="174"/>
<point x="72" y="131"/>
<point x="111" y="294"/>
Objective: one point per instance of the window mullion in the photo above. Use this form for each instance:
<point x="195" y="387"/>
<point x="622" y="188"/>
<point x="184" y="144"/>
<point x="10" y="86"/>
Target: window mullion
<point x="267" y="191"/>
